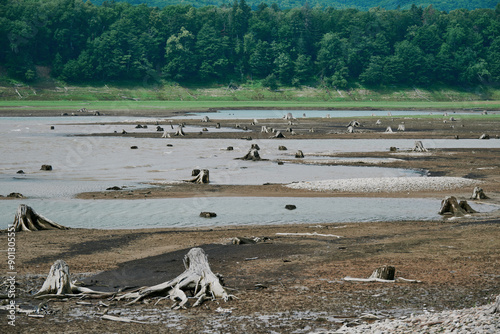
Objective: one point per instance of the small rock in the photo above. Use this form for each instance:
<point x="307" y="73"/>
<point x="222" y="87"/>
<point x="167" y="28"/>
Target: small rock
<point x="206" y="214"/>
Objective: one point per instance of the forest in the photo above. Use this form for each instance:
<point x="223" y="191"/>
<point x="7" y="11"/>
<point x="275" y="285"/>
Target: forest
<point x="80" y="42"/>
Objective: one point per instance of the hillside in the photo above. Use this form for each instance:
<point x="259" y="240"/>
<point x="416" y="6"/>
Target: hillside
<point x="339" y="4"/>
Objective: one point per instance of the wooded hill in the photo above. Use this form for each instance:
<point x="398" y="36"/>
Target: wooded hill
<point x="445" y="5"/>
<point x="83" y="42"/>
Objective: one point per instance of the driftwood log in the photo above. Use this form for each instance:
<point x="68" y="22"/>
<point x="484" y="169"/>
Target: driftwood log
<point x="27" y="219"/>
<point x="450" y="206"/>
<point x="478" y="194"/>
<point x="197" y="280"/>
<point x="58" y="284"/>
<point x="200" y="176"/>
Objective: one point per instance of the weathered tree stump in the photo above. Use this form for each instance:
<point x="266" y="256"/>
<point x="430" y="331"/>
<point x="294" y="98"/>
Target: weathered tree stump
<point x="278" y="135"/>
<point x="200" y="176"/>
<point x="264" y="129"/>
<point x="401" y="127"/>
<point x="205" y="119"/>
<point x="253" y="154"/>
<point x="484" y="136"/>
<point x="419" y="147"/>
<point x="299" y="154"/>
<point x="288" y="116"/>
<point x="180" y="131"/>
<point x="384" y="272"/>
<point x="450" y="206"/>
<point x="46" y="167"/>
<point x="478" y="194"/>
<point x="15" y="195"/>
<point x="350" y="129"/>
<point x="58" y="283"/>
<point x="388" y="130"/>
<point x="282" y="148"/>
<point x="290" y="207"/>
<point x="198" y="279"/>
<point x="496" y="306"/>
<point x="27" y="219"/>
<point x="354" y="124"/>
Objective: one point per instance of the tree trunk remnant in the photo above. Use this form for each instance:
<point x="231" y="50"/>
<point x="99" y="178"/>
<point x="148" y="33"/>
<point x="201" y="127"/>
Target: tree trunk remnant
<point x="450" y="206"/>
<point x="205" y="119"/>
<point x="299" y="154"/>
<point x="200" y="176"/>
<point x="401" y="127"/>
<point x="27" y="219"/>
<point x="253" y="154"/>
<point x="496" y="306"/>
<point x="198" y="279"/>
<point x="278" y="135"/>
<point x="58" y="283"/>
<point x="384" y="272"/>
<point x="180" y="131"/>
<point x="419" y="147"/>
<point x="388" y="130"/>
<point x="478" y="194"/>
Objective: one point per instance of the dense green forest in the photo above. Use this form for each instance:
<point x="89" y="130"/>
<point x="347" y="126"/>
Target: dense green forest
<point x="82" y="42"/>
<point x="446" y="5"/>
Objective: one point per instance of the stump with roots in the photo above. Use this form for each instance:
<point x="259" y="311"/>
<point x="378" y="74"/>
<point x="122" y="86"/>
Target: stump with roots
<point x="384" y="272"/>
<point x="27" y="219"/>
<point x="180" y="131"/>
<point x="205" y="119"/>
<point x="388" y="130"/>
<point x="419" y="147"/>
<point x="354" y="124"/>
<point x="478" y="194"/>
<point x="197" y="280"/>
<point x="496" y="306"/>
<point x="299" y="154"/>
<point x="450" y="206"/>
<point x="278" y="135"/>
<point x="253" y="154"/>
<point x="58" y="284"/>
<point x="200" y="176"/>
<point x="401" y="127"/>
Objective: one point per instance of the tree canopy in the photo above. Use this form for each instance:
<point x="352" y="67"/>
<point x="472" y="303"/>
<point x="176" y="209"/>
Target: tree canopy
<point x="80" y="42"/>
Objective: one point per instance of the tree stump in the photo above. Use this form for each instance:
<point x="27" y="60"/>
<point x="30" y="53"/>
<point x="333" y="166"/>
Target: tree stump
<point x="450" y="206"/>
<point x="58" y="283"/>
<point x="350" y="129"/>
<point x="419" y="147"/>
<point x="496" y="306"/>
<point x="46" y="167"/>
<point x="27" y="219"/>
<point x="388" y="130"/>
<point x="401" y="127"/>
<point x="299" y="154"/>
<point x="198" y="279"/>
<point x="278" y="135"/>
<point x="354" y="124"/>
<point x="200" y="176"/>
<point x="478" y="194"/>
<point x="384" y="272"/>
<point x="205" y="119"/>
<point x="180" y="131"/>
<point x="282" y="148"/>
<point x="484" y="136"/>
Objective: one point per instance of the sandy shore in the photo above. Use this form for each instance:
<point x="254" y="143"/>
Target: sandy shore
<point x="290" y="283"/>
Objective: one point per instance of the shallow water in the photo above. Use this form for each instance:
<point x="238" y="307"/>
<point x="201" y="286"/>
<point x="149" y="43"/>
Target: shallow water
<point x="184" y="212"/>
<point x="83" y="164"/>
<point x="261" y="114"/>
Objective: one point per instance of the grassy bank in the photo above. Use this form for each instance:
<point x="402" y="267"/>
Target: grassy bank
<point x="175" y="97"/>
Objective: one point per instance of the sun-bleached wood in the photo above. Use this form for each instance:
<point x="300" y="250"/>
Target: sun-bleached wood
<point x="197" y="279"/>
